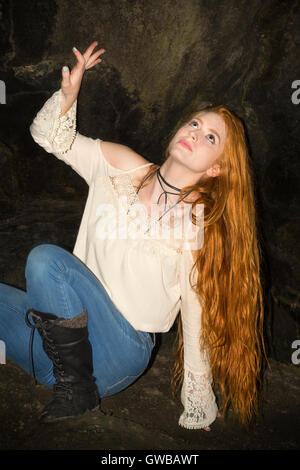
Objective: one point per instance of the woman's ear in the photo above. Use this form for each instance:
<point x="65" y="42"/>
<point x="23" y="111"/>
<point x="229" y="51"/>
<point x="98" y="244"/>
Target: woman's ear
<point x="213" y="171"/>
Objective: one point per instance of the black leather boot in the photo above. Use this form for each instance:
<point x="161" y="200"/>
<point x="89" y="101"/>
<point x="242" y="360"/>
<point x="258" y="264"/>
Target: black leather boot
<point x="66" y="343"/>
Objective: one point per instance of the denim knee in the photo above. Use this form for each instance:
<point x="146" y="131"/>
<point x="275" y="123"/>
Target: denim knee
<point x="39" y="258"/>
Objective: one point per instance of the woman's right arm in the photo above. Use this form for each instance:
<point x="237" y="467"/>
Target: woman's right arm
<point x="71" y="81"/>
<point x="54" y="127"/>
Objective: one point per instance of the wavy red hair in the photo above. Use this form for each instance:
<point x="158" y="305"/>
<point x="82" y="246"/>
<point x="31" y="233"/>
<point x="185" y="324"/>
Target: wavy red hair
<point x="228" y="284"/>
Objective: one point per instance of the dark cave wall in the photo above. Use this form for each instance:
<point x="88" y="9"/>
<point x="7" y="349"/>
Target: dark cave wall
<point x="163" y="58"/>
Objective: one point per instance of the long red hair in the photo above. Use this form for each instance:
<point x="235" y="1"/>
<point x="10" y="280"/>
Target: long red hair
<point x="228" y="284"/>
<point x="228" y="278"/>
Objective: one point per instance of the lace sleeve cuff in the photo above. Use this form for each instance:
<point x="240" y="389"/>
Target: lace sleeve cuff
<point x="198" y="399"/>
<point x="55" y="134"/>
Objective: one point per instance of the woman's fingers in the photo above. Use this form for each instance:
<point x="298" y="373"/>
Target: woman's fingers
<point x="94" y="59"/>
<point x="87" y="60"/>
<point x="71" y="79"/>
<point x="95" y="62"/>
<point x="89" y="50"/>
<point x="80" y="59"/>
<point x="219" y="415"/>
<point x="65" y="76"/>
<point x="207" y="428"/>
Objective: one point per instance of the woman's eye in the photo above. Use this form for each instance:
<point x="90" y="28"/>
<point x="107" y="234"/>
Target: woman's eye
<point x="211" y="138"/>
<point x="194" y="124"/>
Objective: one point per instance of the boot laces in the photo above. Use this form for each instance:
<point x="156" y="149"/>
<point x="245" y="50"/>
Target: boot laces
<point x="62" y="391"/>
<point x="49" y="346"/>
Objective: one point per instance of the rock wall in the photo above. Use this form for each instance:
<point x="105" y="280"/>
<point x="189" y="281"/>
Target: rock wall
<point x="163" y="58"/>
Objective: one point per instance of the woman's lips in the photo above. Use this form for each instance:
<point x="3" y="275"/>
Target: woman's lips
<point x="185" y="144"/>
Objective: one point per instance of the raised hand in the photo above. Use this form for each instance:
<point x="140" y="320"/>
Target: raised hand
<point x="71" y="80"/>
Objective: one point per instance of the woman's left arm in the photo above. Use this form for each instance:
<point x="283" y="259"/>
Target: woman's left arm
<point x="197" y="396"/>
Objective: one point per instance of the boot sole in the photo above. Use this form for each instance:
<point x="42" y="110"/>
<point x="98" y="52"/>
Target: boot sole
<point x="64" y="418"/>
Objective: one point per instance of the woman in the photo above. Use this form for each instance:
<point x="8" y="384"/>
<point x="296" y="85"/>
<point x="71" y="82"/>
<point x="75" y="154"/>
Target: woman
<point x="97" y="310"/>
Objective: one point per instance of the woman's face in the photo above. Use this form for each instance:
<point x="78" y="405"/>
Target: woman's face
<point x="199" y="142"/>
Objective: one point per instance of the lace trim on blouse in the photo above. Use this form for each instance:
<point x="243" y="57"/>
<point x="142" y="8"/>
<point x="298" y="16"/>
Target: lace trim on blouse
<point x="171" y="230"/>
<point x="63" y="131"/>
<point x="123" y="187"/>
<point x="198" y="399"/>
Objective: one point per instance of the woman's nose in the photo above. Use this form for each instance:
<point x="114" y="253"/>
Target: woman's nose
<point x="194" y="135"/>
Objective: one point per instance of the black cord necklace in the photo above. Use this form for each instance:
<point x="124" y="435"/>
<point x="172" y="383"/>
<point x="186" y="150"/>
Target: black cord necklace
<point x="158" y="174"/>
<point x="160" y="177"/>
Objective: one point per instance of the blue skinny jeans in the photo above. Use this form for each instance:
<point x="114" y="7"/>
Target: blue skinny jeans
<point x="58" y="282"/>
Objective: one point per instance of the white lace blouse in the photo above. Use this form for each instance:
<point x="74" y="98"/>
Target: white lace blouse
<point x="146" y="277"/>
